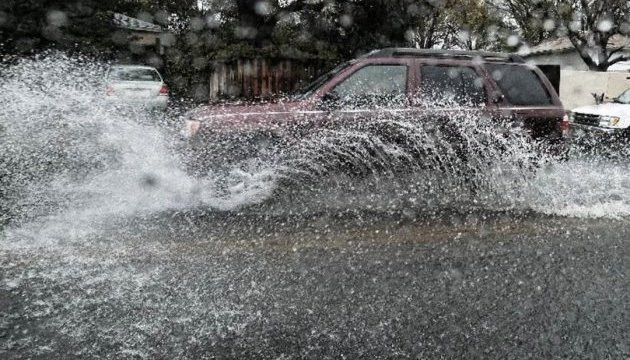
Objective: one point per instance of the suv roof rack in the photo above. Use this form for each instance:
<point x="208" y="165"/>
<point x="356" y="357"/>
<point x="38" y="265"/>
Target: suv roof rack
<point x="450" y="54"/>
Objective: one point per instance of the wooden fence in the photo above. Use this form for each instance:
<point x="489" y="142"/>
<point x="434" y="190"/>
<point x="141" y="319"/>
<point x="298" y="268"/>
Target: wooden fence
<point x="261" y="78"/>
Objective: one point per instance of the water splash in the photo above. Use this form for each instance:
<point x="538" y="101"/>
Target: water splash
<point x="71" y="159"/>
<point x="71" y="162"/>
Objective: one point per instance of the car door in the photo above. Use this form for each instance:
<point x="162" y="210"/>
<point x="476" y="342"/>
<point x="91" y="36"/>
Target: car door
<point x="450" y="100"/>
<point x="451" y="87"/>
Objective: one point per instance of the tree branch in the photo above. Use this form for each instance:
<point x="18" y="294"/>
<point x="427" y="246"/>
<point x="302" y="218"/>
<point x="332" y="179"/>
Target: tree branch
<point x="616" y="50"/>
<point x="618" y="59"/>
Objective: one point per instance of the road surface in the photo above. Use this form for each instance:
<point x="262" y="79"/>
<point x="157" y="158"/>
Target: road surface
<point x="222" y="286"/>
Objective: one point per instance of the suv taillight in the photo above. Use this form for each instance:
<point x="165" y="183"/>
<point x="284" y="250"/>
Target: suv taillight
<point x="565" y="125"/>
<point x="164" y="90"/>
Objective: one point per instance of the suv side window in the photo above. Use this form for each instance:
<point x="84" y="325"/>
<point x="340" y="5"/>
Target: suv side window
<point x="443" y="84"/>
<point x="519" y="84"/>
<point x="373" y="86"/>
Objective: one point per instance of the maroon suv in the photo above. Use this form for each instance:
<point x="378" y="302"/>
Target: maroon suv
<point x="422" y="84"/>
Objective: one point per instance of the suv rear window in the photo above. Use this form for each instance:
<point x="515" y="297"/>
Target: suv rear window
<point x="519" y="84"/>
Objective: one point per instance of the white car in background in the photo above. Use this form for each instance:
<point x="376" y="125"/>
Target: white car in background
<point x="137" y="85"/>
<point x="611" y="118"/>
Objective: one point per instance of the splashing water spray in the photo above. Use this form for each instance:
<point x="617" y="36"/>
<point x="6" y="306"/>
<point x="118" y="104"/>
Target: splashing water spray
<point x="71" y="161"/>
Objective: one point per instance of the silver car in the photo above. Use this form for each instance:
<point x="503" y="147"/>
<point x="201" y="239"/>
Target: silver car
<point x="137" y="85"/>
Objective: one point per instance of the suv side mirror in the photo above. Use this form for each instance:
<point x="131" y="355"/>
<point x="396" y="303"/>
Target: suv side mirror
<point x="330" y="100"/>
<point x="331" y="97"/>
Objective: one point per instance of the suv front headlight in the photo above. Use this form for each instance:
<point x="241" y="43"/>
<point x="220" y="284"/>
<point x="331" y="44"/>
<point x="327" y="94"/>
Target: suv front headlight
<point x="609" y="121"/>
<point x="191" y="127"/>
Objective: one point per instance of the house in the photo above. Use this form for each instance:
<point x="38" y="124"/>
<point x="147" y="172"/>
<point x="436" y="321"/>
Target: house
<point x="578" y="85"/>
<point x="143" y="34"/>
<point x="561" y="52"/>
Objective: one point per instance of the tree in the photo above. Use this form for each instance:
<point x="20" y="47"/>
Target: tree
<point x="591" y="24"/>
<point x="416" y="23"/>
<point x="254" y="21"/>
<point x="534" y="19"/>
<point x="31" y="25"/>
<point x="471" y="25"/>
<point x="465" y="24"/>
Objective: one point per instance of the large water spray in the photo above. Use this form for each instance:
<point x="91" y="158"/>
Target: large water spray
<point x="69" y="159"/>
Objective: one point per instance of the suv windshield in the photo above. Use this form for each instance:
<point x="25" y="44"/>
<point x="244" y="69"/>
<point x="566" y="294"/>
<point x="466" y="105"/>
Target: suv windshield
<point x="310" y="89"/>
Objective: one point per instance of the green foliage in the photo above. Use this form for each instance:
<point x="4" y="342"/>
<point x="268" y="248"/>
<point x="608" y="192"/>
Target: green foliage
<point x="308" y="30"/>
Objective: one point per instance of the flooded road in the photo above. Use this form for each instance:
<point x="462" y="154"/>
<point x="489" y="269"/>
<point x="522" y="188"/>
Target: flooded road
<point x="110" y="249"/>
<point x="241" y="286"/>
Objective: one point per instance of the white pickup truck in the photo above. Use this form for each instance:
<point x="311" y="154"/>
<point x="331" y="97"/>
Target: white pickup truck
<point x="607" y="118"/>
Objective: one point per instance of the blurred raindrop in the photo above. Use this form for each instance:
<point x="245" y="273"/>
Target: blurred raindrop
<point x="57" y="18"/>
<point x="192" y="39"/>
<point x="263" y="8"/>
<point x="413" y="9"/>
<point x="51" y="32"/>
<point x="199" y="62"/>
<point x="137" y="49"/>
<point x="410" y="35"/>
<point x="463" y="36"/>
<point x="168" y="39"/>
<point x="213" y="21"/>
<point x="453" y="73"/>
<point x="161" y="17"/>
<point x="197" y="24"/>
<point x="549" y="24"/>
<point x="605" y="25"/>
<point x="155" y="61"/>
<point x="245" y="32"/>
<point x="145" y="16"/>
<point x="346" y="20"/>
<point x="497" y="75"/>
<point x="513" y="40"/>
<point x="4" y="18"/>
<point x="524" y="50"/>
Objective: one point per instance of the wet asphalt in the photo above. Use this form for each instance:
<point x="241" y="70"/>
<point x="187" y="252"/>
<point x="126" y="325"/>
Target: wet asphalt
<point x="236" y="286"/>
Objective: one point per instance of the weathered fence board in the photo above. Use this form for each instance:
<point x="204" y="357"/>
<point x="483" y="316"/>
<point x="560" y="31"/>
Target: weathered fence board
<point x="260" y="78"/>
